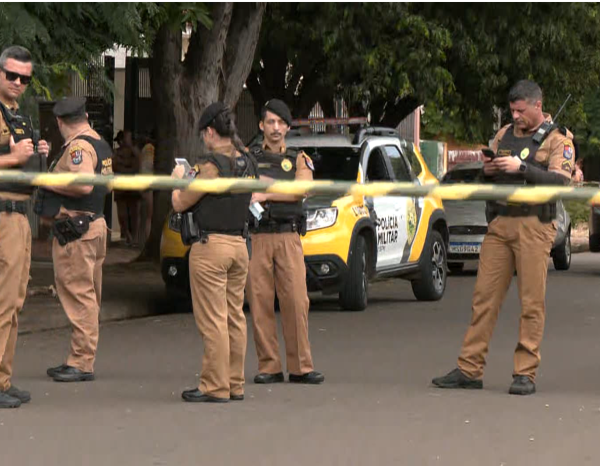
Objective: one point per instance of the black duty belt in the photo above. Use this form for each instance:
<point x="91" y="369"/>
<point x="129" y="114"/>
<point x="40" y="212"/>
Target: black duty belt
<point x="19" y="207"/>
<point x="228" y="233"/>
<point x="278" y="228"/>
<point x="524" y="210"/>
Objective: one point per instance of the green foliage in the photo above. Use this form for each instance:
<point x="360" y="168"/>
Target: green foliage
<point x="579" y="211"/>
<point x="457" y="59"/>
<point x="64" y="37"/>
<point x="496" y="44"/>
<point x="362" y="51"/>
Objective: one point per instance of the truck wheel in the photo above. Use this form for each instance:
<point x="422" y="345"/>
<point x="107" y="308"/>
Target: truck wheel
<point x="431" y="284"/>
<point x="353" y="296"/>
<point x="562" y="254"/>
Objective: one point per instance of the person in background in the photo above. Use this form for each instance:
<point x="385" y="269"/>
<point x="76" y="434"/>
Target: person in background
<point x="147" y="168"/>
<point x="126" y="161"/>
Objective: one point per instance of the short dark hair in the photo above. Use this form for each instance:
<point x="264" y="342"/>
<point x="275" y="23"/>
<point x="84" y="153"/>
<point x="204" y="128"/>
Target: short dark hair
<point x="73" y="120"/>
<point x="16" y="52"/>
<point x="525" y="90"/>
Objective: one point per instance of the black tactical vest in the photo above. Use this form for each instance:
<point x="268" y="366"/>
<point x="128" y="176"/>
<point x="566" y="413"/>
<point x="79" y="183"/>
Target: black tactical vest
<point x="20" y="128"/>
<point x="279" y="167"/>
<point x="48" y="203"/>
<point x="225" y="213"/>
<point x="525" y="148"/>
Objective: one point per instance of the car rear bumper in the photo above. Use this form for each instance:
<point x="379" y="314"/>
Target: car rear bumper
<point x="462" y="248"/>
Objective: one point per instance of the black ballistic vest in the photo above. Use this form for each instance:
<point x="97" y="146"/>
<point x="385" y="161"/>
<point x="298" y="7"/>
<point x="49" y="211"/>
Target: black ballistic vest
<point x="20" y="128"/>
<point x="48" y="203"/>
<point x="225" y="213"/>
<point x="525" y="148"/>
<point x="279" y="167"/>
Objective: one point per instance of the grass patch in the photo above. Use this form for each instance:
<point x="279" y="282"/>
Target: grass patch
<point x="579" y="212"/>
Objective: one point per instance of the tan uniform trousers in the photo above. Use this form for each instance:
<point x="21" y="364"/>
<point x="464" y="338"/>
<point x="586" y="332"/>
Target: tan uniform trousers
<point x="523" y="243"/>
<point x="277" y="265"/>
<point x="218" y="271"/>
<point x="78" y="277"/>
<point x="15" y="260"/>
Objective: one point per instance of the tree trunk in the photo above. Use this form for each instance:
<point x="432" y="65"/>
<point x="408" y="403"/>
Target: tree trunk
<point x="215" y="68"/>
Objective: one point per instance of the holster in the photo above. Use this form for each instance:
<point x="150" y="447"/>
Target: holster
<point x="190" y="232"/>
<point x="66" y="230"/>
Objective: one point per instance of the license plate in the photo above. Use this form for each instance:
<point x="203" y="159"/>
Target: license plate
<point x="465" y="248"/>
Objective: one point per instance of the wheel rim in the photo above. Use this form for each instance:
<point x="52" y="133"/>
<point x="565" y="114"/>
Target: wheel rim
<point x="568" y="248"/>
<point x="365" y="280"/>
<point x="438" y="267"/>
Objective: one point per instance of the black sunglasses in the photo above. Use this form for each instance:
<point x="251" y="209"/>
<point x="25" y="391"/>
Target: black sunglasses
<point x="12" y="76"/>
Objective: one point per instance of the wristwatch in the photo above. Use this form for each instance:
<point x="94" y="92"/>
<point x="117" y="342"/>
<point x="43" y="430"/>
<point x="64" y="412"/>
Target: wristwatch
<point x="523" y="167"/>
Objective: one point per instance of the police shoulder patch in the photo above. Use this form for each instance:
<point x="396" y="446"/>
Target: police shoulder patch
<point x="309" y="162"/>
<point x="566" y="166"/>
<point x="76" y="153"/>
<point x="568" y="149"/>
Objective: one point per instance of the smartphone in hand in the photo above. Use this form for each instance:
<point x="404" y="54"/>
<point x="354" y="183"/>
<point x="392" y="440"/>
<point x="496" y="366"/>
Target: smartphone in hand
<point x="186" y="165"/>
<point x="489" y="153"/>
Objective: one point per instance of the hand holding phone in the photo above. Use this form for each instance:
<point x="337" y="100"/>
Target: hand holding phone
<point x="187" y="167"/>
<point x="489" y="153"/>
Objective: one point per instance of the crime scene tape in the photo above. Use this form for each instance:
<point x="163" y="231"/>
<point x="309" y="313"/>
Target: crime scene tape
<point x="521" y="194"/>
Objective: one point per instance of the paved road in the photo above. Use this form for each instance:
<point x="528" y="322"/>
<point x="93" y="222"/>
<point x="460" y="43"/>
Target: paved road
<point x="376" y="407"/>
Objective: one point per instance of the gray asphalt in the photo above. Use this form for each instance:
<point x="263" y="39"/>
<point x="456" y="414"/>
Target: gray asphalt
<point x="376" y="407"/>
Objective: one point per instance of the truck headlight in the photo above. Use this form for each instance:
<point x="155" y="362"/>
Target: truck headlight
<point x="321" y="218"/>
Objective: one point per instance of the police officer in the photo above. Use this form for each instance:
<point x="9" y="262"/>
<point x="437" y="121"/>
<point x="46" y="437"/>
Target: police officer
<point x="17" y="152"/>
<point x="277" y="263"/>
<point x="216" y="225"/>
<point x="80" y="231"/>
<point x="530" y="151"/>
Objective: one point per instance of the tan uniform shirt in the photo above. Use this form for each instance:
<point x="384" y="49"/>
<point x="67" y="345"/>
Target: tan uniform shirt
<point x="556" y="152"/>
<point x="80" y="157"/>
<point x="4" y="141"/>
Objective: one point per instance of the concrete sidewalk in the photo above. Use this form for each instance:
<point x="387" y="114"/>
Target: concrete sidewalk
<point x="130" y="289"/>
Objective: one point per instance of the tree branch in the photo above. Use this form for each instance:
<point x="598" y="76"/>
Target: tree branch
<point x="207" y="49"/>
<point x="241" y="43"/>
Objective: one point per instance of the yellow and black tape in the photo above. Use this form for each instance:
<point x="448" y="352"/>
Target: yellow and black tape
<point x="533" y="195"/>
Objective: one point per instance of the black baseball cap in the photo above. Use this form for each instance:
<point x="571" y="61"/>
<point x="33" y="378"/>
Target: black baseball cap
<point x="210" y="113"/>
<point x="279" y="108"/>
<point x="69" y="107"/>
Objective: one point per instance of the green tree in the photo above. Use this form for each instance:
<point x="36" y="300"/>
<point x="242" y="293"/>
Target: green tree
<point x="217" y="62"/>
<point x="457" y="59"/>
<point x="66" y="36"/>
<point x="373" y="54"/>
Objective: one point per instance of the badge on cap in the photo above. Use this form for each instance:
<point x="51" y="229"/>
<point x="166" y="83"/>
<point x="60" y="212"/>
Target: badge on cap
<point x="524" y="153"/>
<point x="286" y="165"/>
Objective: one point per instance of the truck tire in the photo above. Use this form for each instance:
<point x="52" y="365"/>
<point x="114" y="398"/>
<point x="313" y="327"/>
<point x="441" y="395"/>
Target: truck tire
<point x="562" y="254"/>
<point x="431" y="284"/>
<point x="353" y="296"/>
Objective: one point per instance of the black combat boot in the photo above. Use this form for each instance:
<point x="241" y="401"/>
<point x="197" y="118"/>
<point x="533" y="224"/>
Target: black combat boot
<point x="456" y="379"/>
<point x="313" y="378"/>
<point x="522" y="385"/>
